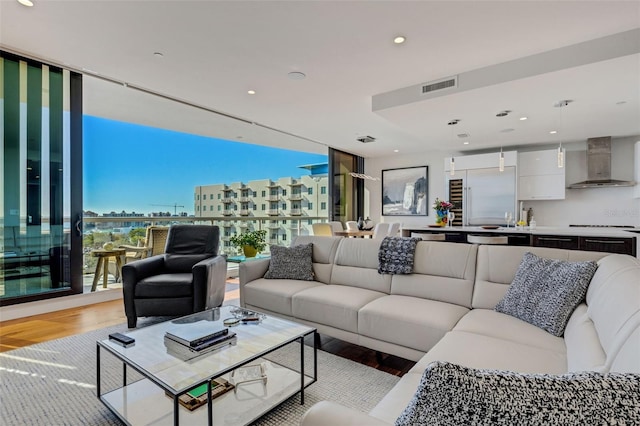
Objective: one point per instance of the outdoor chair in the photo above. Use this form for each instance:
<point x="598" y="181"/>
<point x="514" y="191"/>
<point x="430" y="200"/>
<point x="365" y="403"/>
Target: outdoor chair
<point x="189" y="277"/>
<point x="153" y="244"/>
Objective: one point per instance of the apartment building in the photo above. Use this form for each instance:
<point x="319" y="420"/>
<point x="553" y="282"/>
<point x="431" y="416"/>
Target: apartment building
<point x="285" y="207"/>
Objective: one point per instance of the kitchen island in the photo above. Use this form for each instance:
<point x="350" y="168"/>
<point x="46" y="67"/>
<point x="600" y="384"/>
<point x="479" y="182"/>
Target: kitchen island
<point x="611" y="240"/>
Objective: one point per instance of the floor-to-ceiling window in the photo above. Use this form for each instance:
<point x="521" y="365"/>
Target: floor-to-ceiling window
<point x="40" y="181"/>
<point x="347" y="190"/>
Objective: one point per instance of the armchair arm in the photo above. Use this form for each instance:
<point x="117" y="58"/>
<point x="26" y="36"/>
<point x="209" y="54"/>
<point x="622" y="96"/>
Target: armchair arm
<point x="209" y="280"/>
<point x="331" y="413"/>
<point x="251" y="271"/>
<point x="134" y="272"/>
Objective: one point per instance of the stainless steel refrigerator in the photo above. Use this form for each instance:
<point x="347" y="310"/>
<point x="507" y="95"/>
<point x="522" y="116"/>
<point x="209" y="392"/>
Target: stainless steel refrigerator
<point x="482" y="196"/>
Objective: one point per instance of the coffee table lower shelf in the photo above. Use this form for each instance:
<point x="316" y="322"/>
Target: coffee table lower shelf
<point x="144" y="403"/>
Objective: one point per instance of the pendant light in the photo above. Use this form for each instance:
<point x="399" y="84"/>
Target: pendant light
<point x="452" y="164"/>
<point x="560" y="155"/>
<point x="501" y="161"/>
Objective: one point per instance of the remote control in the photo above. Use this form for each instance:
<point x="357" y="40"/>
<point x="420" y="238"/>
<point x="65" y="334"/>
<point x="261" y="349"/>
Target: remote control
<point x="122" y="339"/>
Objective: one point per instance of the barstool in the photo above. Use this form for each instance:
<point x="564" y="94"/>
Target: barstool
<point x="428" y="237"/>
<point x="487" y="239"/>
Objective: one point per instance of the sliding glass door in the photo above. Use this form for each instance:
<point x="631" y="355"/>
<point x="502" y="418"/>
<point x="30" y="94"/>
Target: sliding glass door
<point x="40" y="182"/>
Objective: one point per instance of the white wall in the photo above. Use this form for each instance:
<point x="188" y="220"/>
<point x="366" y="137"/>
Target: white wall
<point x="595" y="206"/>
<point x="373" y="189"/>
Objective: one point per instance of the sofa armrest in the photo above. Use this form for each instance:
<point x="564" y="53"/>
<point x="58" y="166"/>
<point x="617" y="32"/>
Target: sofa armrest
<point x="209" y="279"/>
<point x="251" y="271"/>
<point x="331" y="413"/>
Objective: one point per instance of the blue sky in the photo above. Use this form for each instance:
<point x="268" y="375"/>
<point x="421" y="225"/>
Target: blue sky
<point x="130" y="167"/>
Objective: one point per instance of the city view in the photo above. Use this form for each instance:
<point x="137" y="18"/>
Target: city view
<point x="137" y="176"/>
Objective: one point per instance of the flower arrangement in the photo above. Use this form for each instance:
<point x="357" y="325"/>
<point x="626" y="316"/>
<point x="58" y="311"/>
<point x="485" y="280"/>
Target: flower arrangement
<point x="441" y="205"/>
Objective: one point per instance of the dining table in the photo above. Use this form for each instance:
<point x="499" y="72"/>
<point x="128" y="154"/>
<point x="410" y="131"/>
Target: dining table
<point x="359" y="233"/>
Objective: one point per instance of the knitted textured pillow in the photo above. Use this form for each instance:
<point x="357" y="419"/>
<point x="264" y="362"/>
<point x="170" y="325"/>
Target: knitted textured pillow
<point x="293" y="263"/>
<point x="450" y="394"/>
<point x="545" y="292"/>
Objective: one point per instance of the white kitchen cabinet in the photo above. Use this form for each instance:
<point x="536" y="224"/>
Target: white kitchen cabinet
<point x="539" y="177"/>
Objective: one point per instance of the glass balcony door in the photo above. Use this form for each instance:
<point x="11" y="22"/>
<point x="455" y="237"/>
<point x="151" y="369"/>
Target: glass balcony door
<point x="39" y="128"/>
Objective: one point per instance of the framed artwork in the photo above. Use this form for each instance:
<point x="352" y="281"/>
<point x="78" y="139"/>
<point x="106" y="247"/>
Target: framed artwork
<point x="405" y="192"/>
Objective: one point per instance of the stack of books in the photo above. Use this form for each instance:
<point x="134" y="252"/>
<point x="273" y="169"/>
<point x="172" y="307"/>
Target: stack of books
<point x="189" y="343"/>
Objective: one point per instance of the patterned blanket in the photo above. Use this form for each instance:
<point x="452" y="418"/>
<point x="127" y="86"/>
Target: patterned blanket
<point x="396" y="255"/>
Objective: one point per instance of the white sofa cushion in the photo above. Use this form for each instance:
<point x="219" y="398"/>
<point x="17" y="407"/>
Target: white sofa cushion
<point x="390" y="407"/>
<point x="478" y="351"/>
<point x="584" y="351"/>
<point x="495" y="324"/>
<point x="545" y="292"/>
<point x="356" y="265"/>
<point x="333" y="305"/>
<point x="275" y="294"/>
<point x="408" y="321"/>
<point x="613" y="301"/>
<point x="627" y="360"/>
<point x="450" y="394"/>
<point x="441" y="271"/>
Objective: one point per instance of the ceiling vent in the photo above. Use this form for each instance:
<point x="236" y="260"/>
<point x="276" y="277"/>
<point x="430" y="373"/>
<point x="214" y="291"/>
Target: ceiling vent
<point x="445" y="83"/>
<point x="463" y="135"/>
<point x="366" y="139"/>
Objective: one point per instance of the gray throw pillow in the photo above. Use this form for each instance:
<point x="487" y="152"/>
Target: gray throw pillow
<point x="293" y="263"/>
<point x="450" y="394"/>
<point x="545" y="292"/>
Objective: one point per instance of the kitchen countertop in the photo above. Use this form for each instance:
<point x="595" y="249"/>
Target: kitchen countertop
<point x="540" y="230"/>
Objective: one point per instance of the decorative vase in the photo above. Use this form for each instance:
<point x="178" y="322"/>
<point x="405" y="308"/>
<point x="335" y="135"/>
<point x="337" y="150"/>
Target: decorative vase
<point x="441" y="217"/>
<point x="249" y="251"/>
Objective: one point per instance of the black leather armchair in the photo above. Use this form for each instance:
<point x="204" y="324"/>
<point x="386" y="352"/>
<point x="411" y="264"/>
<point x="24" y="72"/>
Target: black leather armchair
<point x="190" y="277"/>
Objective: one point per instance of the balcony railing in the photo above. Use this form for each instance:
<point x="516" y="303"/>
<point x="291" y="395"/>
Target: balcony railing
<point x="295" y="197"/>
<point x="295" y="212"/>
<point x="273" y="212"/>
<point x="244" y="212"/>
<point x="227" y="212"/>
<point x="273" y="197"/>
<point x="228" y="200"/>
<point x="244" y="199"/>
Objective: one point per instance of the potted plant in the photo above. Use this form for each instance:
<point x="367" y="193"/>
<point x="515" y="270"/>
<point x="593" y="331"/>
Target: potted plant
<point x="251" y="242"/>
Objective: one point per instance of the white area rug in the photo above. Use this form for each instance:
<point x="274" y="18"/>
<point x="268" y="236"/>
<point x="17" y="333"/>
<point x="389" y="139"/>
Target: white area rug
<point x="53" y="383"/>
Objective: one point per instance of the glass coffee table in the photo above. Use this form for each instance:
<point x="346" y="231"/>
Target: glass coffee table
<point x="274" y="346"/>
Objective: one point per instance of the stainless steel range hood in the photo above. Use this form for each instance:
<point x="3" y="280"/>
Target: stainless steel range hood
<point x="599" y="166"/>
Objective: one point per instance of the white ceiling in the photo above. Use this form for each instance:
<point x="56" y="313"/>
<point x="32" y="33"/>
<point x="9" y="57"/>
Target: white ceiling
<point x="214" y="51"/>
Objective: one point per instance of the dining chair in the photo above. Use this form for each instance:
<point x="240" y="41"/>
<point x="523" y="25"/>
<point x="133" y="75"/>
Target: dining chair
<point x="380" y="231"/>
<point x="393" y="229"/>
<point x="352" y="225"/>
<point x="336" y="226"/>
<point x="322" y="229"/>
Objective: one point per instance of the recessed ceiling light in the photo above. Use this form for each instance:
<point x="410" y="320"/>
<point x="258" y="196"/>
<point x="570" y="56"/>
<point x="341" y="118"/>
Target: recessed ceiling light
<point x="396" y="150"/>
<point x="399" y="39"/>
<point x="239" y="137"/>
<point x="296" y="75"/>
<point x="158" y="54"/>
<point x="465" y="143"/>
<point x="27" y="3"/>
<point x="503" y="113"/>
<point x="251" y="92"/>
<point x="523" y="118"/>
<point x="553" y="132"/>
<point x="453" y="122"/>
<point x="621" y="103"/>
<point x="506" y="130"/>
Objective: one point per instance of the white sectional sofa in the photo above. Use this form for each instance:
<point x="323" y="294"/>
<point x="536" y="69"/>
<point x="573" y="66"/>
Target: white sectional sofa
<point x="443" y="311"/>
